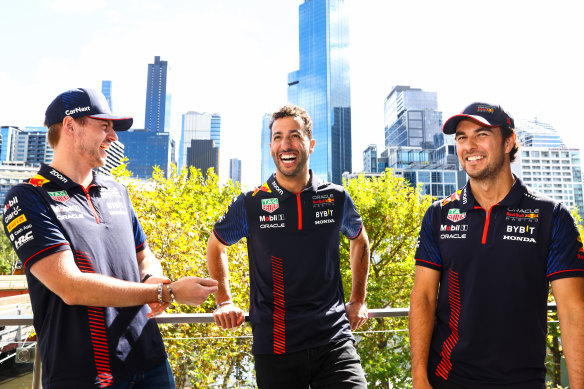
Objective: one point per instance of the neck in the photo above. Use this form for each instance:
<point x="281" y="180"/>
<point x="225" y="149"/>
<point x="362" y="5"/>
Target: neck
<point x="489" y="192"/>
<point x="79" y="173"/>
<point x="293" y="184"/>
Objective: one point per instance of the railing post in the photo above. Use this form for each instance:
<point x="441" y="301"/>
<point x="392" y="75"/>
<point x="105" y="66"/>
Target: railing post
<point x="37" y="369"/>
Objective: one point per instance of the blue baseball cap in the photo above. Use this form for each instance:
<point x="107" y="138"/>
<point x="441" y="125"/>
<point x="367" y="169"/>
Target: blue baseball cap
<point x="84" y="102"/>
<point x="482" y="113"/>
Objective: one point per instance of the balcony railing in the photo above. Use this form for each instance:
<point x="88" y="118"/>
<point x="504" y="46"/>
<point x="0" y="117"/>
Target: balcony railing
<point x="183" y="318"/>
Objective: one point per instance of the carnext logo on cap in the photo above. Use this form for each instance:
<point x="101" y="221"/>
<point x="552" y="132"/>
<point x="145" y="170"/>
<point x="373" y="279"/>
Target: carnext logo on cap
<point x="77" y="110"/>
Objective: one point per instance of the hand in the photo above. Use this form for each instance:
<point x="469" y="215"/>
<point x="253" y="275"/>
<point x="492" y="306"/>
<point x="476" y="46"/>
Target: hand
<point x="357" y="314"/>
<point x="157" y="308"/>
<point x="193" y="290"/>
<point x="228" y="316"/>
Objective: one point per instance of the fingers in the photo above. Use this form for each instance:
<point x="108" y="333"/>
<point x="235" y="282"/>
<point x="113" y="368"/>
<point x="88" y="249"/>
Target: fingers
<point x="228" y="316"/>
<point x="208" y="282"/>
<point x="357" y="315"/>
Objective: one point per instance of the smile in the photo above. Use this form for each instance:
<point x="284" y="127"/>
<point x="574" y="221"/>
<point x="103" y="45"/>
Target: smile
<point x="475" y="158"/>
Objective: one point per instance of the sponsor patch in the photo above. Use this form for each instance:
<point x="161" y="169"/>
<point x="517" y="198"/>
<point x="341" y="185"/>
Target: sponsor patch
<point x="519" y="238"/>
<point x="529" y="215"/>
<point x="273" y="225"/>
<point x="12" y="214"/>
<point x="323" y="200"/>
<point x="454" y="227"/>
<point x="455" y="215"/>
<point x="19" y="220"/>
<point x="59" y="176"/>
<point x="278" y="189"/>
<point x="13" y="201"/>
<point x="263" y="188"/>
<point x="38" y="180"/>
<point x="61" y="196"/>
<point x="453" y="236"/>
<point x="270" y="205"/>
<point x="453" y="197"/>
<point x="272" y="218"/>
<point x="23" y="239"/>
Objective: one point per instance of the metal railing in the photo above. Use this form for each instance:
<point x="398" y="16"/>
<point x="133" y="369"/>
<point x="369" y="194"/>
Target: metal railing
<point x="184" y="318"/>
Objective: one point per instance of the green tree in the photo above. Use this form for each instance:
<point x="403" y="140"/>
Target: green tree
<point x="178" y="214"/>
<point x="392" y="213"/>
<point x="7" y="255"/>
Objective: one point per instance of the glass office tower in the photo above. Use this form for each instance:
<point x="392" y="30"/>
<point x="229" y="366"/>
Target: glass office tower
<point x="268" y="166"/>
<point x="321" y="85"/>
<point x="156" y="96"/>
<point x="106" y="89"/>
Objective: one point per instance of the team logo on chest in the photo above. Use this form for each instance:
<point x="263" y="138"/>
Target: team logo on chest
<point x="61" y="196"/>
<point x="270" y="205"/>
<point x="455" y="215"/>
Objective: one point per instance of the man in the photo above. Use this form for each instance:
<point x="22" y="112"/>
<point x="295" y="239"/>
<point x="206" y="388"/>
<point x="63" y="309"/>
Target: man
<point x="85" y="253"/>
<point x="485" y="258"/>
<point x="301" y="324"/>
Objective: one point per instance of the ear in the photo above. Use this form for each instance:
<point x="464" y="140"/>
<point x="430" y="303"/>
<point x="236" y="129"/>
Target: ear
<point x="312" y="143"/>
<point x="510" y="142"/>
<point x="68" y="124"/>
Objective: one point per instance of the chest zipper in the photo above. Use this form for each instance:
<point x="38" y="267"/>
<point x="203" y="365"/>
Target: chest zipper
<point x="299" y="203"/>
<point x="91" y="204"/>
<point x="487" y="220"/>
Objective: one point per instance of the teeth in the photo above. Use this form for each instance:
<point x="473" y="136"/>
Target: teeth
<point x="475" y="158"/>
<point x="288" y="157"/>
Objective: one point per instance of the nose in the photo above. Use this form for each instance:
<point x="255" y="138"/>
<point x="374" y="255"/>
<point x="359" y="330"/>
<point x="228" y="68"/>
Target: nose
<point x="112" y="135"/>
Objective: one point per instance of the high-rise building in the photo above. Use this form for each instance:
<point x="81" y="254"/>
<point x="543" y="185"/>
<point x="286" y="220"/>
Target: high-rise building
<point x="415" y="147"/>
<point x="154" y="119"/>
<point x="106" y="89"/>
<point x="235" y="170"/>
<point x="146" y="149"/>
<point x="268" y="166"/>
<point x="28" y="146"/>
<point x="321" y="84"/>
<point x="203" y="155"/>
<point x="547" y="165"/>
<point x="196" y="125"/>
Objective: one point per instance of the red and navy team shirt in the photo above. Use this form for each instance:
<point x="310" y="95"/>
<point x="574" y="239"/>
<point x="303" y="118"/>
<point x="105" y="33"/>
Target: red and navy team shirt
<point x="496" y="265"/>
<point x="82" y="346"/>
<point x="296" y="293"/>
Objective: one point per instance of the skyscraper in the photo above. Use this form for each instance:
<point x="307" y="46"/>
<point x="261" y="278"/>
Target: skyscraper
<point x="235" y="170"/>
<point x="547" y="165"/>
<point x="106" y="89"/>
<point x="156" y="96"/>
<point x="197" y="125"/>
<point x="203" y="155"/>
<point x="321" y="84"/>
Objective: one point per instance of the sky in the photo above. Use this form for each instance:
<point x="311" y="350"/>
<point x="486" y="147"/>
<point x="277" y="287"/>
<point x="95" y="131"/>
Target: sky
<point x="232" y="57"/>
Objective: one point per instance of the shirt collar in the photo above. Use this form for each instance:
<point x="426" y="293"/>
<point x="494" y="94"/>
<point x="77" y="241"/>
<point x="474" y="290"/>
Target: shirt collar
<point x="511" y="200"/>
<point x="50" y="174"/>
<point x="272" y="187"/>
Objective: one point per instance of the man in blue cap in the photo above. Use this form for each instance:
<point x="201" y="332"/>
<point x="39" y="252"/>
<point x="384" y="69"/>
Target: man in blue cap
<point x="93" y="281"/>
<point x="485" y="259"/>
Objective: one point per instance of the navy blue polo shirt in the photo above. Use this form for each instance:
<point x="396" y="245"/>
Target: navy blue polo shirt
<point x="296" y="293"/>
<point x="81" y="346"/>
<point x="496" y="265"/>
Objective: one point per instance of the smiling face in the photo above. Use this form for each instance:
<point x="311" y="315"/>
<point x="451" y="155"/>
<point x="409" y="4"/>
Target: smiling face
<point x="92" y="139"/>
<point x="290" y="147"/>
<point x="482" y="151"/>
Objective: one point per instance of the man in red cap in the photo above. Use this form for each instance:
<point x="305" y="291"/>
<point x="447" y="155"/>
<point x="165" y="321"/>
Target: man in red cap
<point x="485" y="258"/>
<point x="90" y="272"/>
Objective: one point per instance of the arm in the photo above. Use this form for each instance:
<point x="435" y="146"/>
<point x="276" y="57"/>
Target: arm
<point x="60" y="274"/>
<point x="569" y="295"/>
<point x="227" y="315"/>
<point x="421" y="318"/>
<point x="359" y="256"/>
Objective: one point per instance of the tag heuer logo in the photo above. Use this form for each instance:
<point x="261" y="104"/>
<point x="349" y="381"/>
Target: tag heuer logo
<point x="61" y="196"/>
<point x="270" y="205"/>
<point x="455" y="215"/>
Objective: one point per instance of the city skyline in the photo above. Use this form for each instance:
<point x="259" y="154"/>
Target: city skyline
<point x="245" y="50"/>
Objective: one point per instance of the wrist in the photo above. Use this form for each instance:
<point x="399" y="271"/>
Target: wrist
<point x="227" y="302"/>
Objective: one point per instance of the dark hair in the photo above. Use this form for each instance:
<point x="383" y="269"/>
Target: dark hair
<point x="508" y="132"/>
<point x="291" y="110"/>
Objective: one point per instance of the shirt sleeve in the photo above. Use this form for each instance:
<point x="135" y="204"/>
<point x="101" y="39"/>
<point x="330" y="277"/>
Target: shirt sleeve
<point x="31" y="226"/>
<point x="565" y="255"/>
<point x="352" y="223"/>
<point x="233" y="225"/>
<point x="139" y="234"/>
<point x="427" y="250"/>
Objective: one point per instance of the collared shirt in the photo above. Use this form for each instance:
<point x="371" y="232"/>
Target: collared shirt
<point x="496" y="264"/>
<point x="296" y="293"/>
<point x="80" y="346"/>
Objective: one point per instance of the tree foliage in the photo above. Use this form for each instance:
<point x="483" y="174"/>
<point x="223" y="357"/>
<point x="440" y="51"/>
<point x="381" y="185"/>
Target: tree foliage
<point x="392" y="213"/>
<point x="178" y="214"/>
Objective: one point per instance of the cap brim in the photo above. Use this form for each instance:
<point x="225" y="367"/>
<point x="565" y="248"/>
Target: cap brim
<point x="120" y="123"/>
<point x="451" y="124"/>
